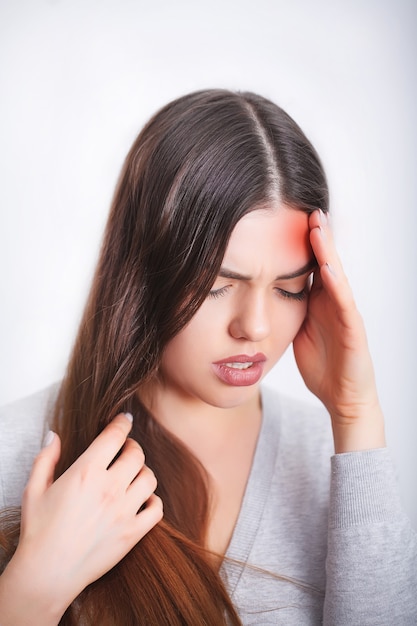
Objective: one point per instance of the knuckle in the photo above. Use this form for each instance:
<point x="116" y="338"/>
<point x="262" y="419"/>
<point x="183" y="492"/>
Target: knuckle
<point x="119" y="428"/>
<point x="109" y="495"/>
<point x="135" y="450"/>
<point x="87" y="473"/>
<point x="159" y="505"/>
<point x="150" y="478"/>
<point x="154" y="511"/>
<point x="157" y="509"/>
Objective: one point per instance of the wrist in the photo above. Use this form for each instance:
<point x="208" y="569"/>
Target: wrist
<point x="362" y="429"/>
<point x="23" y="599"/>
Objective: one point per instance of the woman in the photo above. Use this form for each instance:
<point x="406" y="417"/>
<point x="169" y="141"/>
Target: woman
<point x="217" y="224"/>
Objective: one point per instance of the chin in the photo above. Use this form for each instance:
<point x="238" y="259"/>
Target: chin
<point x="233" y="397"/>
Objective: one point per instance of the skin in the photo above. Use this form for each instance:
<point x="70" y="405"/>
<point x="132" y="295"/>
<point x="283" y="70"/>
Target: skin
<point x="94" y="506"/>
<point x="250" y="315"/>
<point x="98" y="507"/>
<point x="333" y="338"/>
<point x="240" y="316"/>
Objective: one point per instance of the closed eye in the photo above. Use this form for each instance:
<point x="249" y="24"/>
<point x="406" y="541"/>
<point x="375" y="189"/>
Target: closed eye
<point x="217" y="293"/>
<point x="298" y="296"/>
<point x="290" y="295"/>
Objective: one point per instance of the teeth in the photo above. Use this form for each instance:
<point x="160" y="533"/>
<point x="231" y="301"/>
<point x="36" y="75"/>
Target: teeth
<point x="239" y="366"/>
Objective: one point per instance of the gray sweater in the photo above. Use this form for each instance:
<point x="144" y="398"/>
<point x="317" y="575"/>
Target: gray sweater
<point x="320" y="539"/>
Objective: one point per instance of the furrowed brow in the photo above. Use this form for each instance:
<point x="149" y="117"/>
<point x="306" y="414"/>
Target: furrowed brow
<point x="309" y="267"/>
<point x="225" y="273"/>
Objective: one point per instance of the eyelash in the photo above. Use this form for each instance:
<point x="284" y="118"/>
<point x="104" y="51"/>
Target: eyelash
<point x="217" y="293"/>
<point x="288" y="295"/>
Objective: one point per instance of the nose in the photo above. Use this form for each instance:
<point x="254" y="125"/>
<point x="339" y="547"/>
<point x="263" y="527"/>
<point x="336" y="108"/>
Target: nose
<point x="251" y="320"/>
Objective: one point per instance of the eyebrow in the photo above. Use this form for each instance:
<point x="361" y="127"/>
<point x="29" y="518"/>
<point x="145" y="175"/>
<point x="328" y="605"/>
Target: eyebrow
<point x="308" y="267"/>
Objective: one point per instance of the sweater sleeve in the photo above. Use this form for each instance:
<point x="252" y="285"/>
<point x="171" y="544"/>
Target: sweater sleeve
<point x="22" y="427"/>
<point x="371" y="567"/>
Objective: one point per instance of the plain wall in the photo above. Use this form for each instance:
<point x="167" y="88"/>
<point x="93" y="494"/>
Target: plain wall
<point x="78" y="79"/>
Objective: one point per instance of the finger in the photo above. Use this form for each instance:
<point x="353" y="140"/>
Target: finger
<point x="318" y="218"/>
<point x="146" y="519"/>
<point x="141" y="489"/>
<point x="322" y="241"/>
<point x="142" y="522"/>
<point x="317" y="282"/>
<point x="129" y="463"/>
<point x="331" y="271"/>
<point x="42" y="473"/>
<point x="110" y="441"/>
<point x="338" y="289"/>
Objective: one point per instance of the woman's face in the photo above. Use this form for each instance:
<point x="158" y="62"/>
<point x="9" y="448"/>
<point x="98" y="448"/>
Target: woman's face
<point x="253" y="312"/>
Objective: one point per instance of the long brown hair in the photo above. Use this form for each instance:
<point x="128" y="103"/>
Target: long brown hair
<point x="198" y="166"/>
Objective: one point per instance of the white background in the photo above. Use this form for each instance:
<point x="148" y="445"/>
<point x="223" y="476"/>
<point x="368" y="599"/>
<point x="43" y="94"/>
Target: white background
<point x="78" y="79"/>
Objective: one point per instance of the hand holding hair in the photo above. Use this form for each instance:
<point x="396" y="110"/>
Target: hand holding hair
<point x="77" y="528"/>
<point x="332" y="352"/>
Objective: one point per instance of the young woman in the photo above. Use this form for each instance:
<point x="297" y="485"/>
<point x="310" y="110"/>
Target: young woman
<point x="217" y="255"/>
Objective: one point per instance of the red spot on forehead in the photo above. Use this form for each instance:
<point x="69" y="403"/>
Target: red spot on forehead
<point x="297" y="232"/>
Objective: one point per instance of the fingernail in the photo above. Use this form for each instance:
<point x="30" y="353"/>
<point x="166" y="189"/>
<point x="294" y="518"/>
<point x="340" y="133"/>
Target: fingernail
<point x="48" y="439"/>
<point x="129" y="416"/>
<point x="323" y="217"/>
<point x="330" y="268"/>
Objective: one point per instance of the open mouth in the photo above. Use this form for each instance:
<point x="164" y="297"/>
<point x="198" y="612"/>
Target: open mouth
<point x="239" y="366"/>
<point x="240" y="371"/>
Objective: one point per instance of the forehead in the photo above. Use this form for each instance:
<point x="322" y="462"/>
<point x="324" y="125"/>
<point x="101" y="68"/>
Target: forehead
<point x="278" y="236"/>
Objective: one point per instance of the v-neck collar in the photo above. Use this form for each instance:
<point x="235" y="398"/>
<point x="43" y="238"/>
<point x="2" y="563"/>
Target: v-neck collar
<point x="255" y="496"/>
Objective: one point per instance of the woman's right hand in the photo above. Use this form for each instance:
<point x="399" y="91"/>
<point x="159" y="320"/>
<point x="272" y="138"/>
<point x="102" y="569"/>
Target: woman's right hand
<point x="77" y="528"/>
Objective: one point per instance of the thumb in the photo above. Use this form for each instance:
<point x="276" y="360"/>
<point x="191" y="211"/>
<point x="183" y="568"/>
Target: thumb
<point x="42" y="473"/>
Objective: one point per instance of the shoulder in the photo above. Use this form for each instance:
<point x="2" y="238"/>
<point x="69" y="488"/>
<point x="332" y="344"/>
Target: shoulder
<point x="22" y="425"/>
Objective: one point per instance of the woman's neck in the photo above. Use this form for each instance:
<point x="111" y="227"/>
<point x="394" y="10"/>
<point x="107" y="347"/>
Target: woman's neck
<point x="224" y="441"/>
<point x="200" y="426"/>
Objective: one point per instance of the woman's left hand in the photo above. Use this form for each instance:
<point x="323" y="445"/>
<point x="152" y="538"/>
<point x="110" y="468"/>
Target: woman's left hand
<point x="332" y="352"/>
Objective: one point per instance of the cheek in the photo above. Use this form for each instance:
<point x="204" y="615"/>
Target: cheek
<point x="178" y="351"/>
<point x="190" y="345"/>
<point x="298" y="318"/>
<point x="287" y="325"/>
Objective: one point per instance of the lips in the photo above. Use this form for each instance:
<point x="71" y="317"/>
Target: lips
<point x="240" y="370"/>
